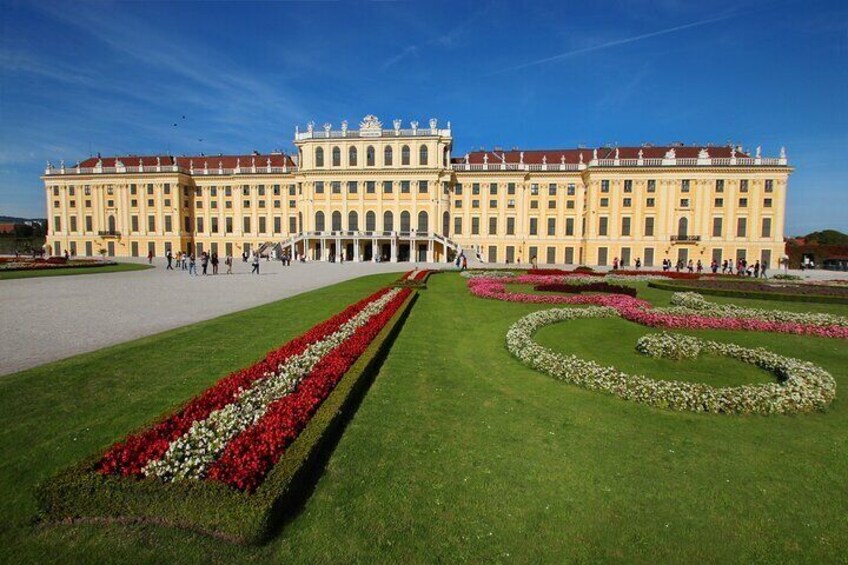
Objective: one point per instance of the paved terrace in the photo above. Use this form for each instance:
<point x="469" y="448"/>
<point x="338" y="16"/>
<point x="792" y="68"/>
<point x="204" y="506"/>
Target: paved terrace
<point x="44" y="319"/>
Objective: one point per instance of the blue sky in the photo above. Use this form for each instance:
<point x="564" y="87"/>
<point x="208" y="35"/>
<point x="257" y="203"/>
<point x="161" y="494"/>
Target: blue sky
<point x="79" y="78"/>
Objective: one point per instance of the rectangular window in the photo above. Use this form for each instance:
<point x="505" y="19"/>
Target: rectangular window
<point x="551" y="204"/>
<point x="741" y="227"/>
<point x="261" y="190"/>
<point x="625" y="226"/>
<point x="319" y="187"/>
<point x="510" y="226"/>
<point x="510" y="254"/>
<point x="652" y="185"/>
<point x="457" y="204"/>
<point x="493" y="254"/>
<point x="475" y="226"/>
<point x="572" y="188"/>
<point x="493" y="226"/>
<point x="169" y="224"/>
<point x="200" y="224"/>
<point x="719" y="185"/>
<point x="475" y="188"/>
<point x="263" y="224"/>
<point x="457" y="225"/>
<point x="569" y="255"/>
<point x="769" y="187"/>
<point x="534" y="226"/>
<point x="569" y="226"/>
<point x="650" y="202"/>
<point x="569" y="204"/>
<point x="604" y="202"/>
<point x="767" y="203"/>
<point x="457" y="189"/>
<point x="625" y="257"/>
<point x="510" y="189"/>
<point x="370" y="187"/>
<point x="292" y="224"/>
<point x="278" y="224"/>
<point x="719" y="202"/>
<point x="187" y="223"/>
<point x="150" y="203"/>
<point x="133" y="190"/>
<point x="510" y="203"/>
<point x="336" y="187"/>
<point x="493" y="203"/>
<point x="603" y="225"/>
<point x="743" y="185"/>
<point x="151" y="223"/>
<point x="404" y="187"/>
<point x="88" y="223"/>
<point x="57" y="223"/>
<point x="684" y="185"/>
<point x="150" y="190"/>
<point x="602" y="256"/>
<point x="387" y="187"/>
<point x="245" y="224"/>
<point x="766" y="232"/>
<point x="493" y="189"/>
<point x="351" y="187"/>
<point x="717" y="226"/>
<point x="717" y="255"/>
<point x="534" y="189"/>
<point x="649" y="257"/>
<point x="275" y="188"/>
<point x="628" y="186"/>
<point x="245" y="190"/>
<point x="551" y="255"/>
<point x="684" y="202"/>
<point x="228" y="191"/>
<point x="475" y="203"/>
<point x="246" y="203"/>
<point x="228" y="224"/>
<point x="552" y="189"/>
<point x="261" y="203"/>
<point x="628" y="202"/>
<point x="649" y="226"/>
<point x="73" y="223"/>
<point x="604" y="186"/>
<point x="551" y="226"/>
<point x="214" y="226"/>
<point x="423" y="187"/>
<point x="743" y="202"/>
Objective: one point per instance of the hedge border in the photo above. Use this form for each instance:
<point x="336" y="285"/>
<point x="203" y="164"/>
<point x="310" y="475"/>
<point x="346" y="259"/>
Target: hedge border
<point x="820" y="299"/>
<point x="77" y="494"/>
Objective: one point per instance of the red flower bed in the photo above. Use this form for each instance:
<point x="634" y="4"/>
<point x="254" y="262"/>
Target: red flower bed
<point x="589" y="287"/>
<point x="250" y="455"/>
<point x="130" y="456"/>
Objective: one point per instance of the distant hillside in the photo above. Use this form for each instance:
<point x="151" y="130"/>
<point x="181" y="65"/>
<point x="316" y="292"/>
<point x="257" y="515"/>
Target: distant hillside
<point x="18" y="220"/>
<point x="825" y="237"/>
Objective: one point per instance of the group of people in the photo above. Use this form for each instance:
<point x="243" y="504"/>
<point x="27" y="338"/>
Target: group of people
<point x="462" y="261"/>
<point x="744" y="269"/>
<point x="188" y="262"/>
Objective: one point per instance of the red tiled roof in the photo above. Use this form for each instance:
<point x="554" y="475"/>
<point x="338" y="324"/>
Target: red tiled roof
<point x="572" y="156"/>
<point x="226" y="161"/>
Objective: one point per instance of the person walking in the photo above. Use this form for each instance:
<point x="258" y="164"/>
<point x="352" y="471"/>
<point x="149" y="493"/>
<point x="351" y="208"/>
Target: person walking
<point x="170" y="258"/>
<point x="255" y="264"/>
<point x="204" y="262"/>
<point x="150" y="257"/>
<point x="464" y="263"/>
<point x="700" y="267"/>
<point x="228" y="261"/>
<point x="214" y="261"/>
<point x="638" y="263"/>
<point x="192" y="266"/>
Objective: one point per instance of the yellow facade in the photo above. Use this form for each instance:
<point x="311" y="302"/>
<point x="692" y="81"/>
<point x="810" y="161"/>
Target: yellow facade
<point x="397" y="194"/>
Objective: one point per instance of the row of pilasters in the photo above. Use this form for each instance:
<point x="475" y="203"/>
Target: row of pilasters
<point x="325" y="248"/>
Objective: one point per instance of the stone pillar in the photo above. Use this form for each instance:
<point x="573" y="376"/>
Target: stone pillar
<point x="394" y="257"/>
<point x="430" y="250"/>
<point x="375" y="250"/>
<point x="356" y="250"/>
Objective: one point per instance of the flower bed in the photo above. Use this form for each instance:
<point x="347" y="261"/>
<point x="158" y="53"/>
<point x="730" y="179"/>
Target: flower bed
<point x="621" y="273"/>
<point x="27" y="264"/>
<point x="225" y="461"/>
<point x="744" y="288"/>
<point x="691" y="311"/>
<point x="801" y="386"/>
<point x="586" y="287"/>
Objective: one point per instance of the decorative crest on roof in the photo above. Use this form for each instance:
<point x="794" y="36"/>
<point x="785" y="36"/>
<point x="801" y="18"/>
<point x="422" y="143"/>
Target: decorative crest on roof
<point x="703" y="154"/>
<point x="671" y="154"/>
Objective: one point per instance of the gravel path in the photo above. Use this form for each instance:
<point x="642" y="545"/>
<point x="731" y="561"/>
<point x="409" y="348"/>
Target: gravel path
<point x="48" y="318"/>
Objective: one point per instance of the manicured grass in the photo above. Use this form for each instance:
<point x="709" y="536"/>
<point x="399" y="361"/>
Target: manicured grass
<point x="64" y="271"/>
<point x="458" y="452"/>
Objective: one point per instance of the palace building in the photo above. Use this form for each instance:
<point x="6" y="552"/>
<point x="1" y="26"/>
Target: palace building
<point x="399" y="194"/>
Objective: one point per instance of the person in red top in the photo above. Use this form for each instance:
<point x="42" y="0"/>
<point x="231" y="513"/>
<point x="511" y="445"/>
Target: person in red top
<point x="150" y="257"/>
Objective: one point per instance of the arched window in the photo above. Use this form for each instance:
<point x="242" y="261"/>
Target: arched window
<point x="351" y="157"/>
<point x="353" y="221"/>
<point x="337" y="221"/>
<point x="337" y="157"/>
<point x="388" y="221"/>
<point x="319" y="157"/>
<point x="319" y="221"/>
<point x="423" y="226"/>
<point x="370" y="221"/>
<point x="446" y="224"/>
<point x="404" y="155"/>
<point x="387" y="156"/>
<point x="404" y="221"/>
<point x="683" y="227"/>
<point x="369" y="156"/>
<point x="112" y="227"/>
<point x="422" y="155"/>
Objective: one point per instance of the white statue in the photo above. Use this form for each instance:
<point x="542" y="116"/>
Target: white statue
<point x="238" y="162"/>
<point x="595" y="154"/>
<point x="562" y="159"/>
<point x="641" y="153"/>
<point x="344" y="125"/>
<point x="544" y="159"/>
<point x="433" y="123"/>
<point x="467" y="158"/>
<point x="759" y="151"/>
<point x="616" y="153"/>
<point x="782" y="153"/>
<point x="158" y="162"/>
<point x="703" y="154"/>
<point x="671" y="154"/>
<point x="733" y="152"/>
<point x="140" y="164"/>
<point x="485" y="158"/>
<point x="581" y="158"/>
<point x="414" y="125"/>
<point x="327" y="127"/>
<point x="205" y="165"/>
<point x="521" y="158"/>
<point x="396" y="123"/>
<point x="310" y="126"/>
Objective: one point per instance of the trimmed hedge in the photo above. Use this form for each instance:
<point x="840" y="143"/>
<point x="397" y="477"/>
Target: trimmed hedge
<point x="79" y="494"/>
<point x="822" y="299"/>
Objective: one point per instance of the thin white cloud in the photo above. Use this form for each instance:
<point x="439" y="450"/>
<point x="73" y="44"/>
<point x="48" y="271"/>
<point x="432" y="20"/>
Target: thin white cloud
<point x="607" y="45"/>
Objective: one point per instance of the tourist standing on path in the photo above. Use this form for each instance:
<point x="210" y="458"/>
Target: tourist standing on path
<point x="228" y="261"/>
<point x="763" y="270"/>
<point x="255" y="264"/>
<point x="204" y="262"/>
<point x="170" y="257"/>
<point x="700" y="267"/>
<point x="214" y="261"/>
<point x="150" y="257"/>
<point x="192" y="266"/>
<point x="244" y="256"/>
<point x="464" y="263"/>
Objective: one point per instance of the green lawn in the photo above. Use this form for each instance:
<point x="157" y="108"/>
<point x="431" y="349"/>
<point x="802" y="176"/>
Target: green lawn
<point x="459" y="452"/>
<point x="64" y="271"/>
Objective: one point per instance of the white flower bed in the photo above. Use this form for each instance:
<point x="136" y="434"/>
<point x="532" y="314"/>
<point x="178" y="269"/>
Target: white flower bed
<point x="664" y="345"/>
<point x="189" y="456"/>
<point x="693" y="302"/>
<point x="486" y="274"/>
<point x="802" y="386"/>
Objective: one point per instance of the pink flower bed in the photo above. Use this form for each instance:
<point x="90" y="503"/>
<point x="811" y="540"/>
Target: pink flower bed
<point x="642" y="312"/>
